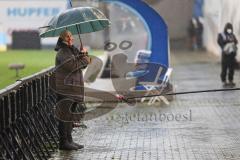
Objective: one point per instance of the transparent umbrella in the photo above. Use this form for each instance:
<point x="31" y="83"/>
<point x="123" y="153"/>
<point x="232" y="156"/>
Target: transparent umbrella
<point x="77" y="20"/>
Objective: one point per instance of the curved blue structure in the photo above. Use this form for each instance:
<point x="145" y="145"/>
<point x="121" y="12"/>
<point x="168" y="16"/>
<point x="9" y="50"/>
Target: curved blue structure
<point x="156" y="26"/>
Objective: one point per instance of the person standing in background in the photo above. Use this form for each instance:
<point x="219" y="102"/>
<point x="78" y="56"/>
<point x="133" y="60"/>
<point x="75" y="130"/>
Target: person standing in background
<point x="228" y="43"/>
<point x="195" y="31"/>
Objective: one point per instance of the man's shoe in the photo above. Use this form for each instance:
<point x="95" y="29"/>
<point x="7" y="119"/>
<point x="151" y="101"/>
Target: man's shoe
<point x="225" y="84"/>
<point x="70" y="140"/>
<point x="67" y="146"/>
<point x="79" y="146"/>
<point x="231" y="83"/>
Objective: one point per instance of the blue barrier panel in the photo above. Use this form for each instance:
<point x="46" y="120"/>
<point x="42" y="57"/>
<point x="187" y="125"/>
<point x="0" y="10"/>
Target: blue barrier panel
<point x="158" y="33"/>
<point x="157" y="27"/>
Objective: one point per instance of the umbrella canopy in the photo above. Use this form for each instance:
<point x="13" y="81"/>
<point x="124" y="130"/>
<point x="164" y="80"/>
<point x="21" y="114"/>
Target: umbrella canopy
<point x="77" y="20"/>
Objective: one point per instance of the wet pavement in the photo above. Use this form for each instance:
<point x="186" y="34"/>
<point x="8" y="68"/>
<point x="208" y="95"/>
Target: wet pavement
<point x="193" y="127"/>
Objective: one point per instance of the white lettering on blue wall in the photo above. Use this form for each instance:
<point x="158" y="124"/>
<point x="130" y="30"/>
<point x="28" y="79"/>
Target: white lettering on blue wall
<point x="32" y="12"/>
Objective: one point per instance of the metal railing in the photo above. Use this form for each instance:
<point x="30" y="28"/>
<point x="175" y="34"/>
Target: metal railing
<point x="28" y="129"/>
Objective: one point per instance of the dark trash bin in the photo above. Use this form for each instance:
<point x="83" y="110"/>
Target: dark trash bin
<point x="26" y="40"/>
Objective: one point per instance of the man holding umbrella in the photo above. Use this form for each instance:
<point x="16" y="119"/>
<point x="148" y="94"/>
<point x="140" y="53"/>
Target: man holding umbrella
<point x="69" y="62"/>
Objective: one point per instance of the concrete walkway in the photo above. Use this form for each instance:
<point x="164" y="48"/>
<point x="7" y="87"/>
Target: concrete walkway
<point x="193" y="127"/>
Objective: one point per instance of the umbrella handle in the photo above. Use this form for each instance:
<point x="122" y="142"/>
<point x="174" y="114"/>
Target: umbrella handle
<point x="81" y="45"/>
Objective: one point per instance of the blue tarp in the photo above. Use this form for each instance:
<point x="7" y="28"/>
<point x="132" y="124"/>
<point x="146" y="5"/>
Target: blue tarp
<point x="157" y="27"/>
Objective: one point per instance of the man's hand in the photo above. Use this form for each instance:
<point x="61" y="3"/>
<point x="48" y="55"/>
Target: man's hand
<point x="88" y="59"/>
<point x="84" y="51"/>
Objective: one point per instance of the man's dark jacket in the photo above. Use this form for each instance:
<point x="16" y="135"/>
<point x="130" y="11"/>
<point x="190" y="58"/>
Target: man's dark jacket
<point x="68" y="74"/>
